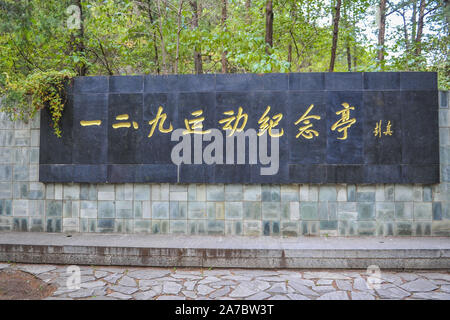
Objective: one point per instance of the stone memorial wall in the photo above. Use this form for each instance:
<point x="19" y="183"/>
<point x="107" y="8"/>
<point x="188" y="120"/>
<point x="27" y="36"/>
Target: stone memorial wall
<point x="340" y="207"/>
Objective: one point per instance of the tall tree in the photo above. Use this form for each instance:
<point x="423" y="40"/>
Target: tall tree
<point x="147" y="7"/>
<point x="224" y="27"/>
<point x="161" y="35"/>
<point x="79" y="42"/>
<point x="269" y="25"/>
<point x="177" y="55"/>
<point x="198" y="64"/>
<point x="337" y="15"/>
<point x="248" y="17"/>
<point x="381" y="30"/>
<point x="418" y="41"/>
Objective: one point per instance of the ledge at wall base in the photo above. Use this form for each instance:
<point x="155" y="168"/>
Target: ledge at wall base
<point x="225" y="252"/>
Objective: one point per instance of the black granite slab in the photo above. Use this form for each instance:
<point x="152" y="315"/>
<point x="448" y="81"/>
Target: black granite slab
<point x="403" y="104"/>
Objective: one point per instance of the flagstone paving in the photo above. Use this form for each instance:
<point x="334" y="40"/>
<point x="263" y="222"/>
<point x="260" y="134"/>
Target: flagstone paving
<point x="100" y="282"/>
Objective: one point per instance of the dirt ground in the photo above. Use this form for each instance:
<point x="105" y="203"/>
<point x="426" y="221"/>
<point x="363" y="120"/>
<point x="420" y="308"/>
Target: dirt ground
<point x="18" y="285"/>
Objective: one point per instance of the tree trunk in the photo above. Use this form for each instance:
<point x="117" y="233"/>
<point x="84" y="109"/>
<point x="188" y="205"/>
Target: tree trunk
<point x="248" y="5"/>
<point x="349" y="56"/>
<point x="290" y="56"/>
<point x="381" y="31"/>
<point x="355" y="59"/>
<point x="155" y="44"/>
<point x="337" y="15"/>
<point x="418" y="47"/>
<point x="198" y="66"/>
<point x="269" y="25"/>
<point x="82" y="70"/>
<point x="163" y="48"/>
<point x="405" y="31"/>
<point x="414" y="21"/>
<point x="224" y="27"/>
<point x="177" y="55"/>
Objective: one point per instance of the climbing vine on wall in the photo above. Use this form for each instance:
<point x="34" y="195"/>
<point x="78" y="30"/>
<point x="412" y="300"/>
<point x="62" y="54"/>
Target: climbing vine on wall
<point x="23" y="98"/>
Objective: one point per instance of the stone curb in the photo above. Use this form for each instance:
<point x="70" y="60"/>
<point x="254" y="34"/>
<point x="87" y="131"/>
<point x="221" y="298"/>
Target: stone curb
<point x="234" y="252"/>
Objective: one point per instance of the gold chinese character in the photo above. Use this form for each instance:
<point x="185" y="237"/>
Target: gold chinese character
<point x="85" y="123"/>
<point x="388" y="129"/>
<point x="124" y="124"/>
<point x="267" y="124"/>
<point x="197" y="124"/>
<point x="236" y="118"/>
<point x="306" y="131"/>
<point x="345" y="122"/>
<point x="377" y="130"/>
<point x="160" y="117"/>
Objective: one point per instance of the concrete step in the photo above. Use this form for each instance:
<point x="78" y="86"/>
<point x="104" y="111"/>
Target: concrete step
<point x="225" y="252"/>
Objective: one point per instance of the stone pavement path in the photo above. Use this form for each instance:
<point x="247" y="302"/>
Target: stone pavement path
<point x="100" y="282"/>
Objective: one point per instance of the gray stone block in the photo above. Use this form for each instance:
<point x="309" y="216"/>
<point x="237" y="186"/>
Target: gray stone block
<point x="385" y="211"/>
<point x="178" y="210"/>
<point x="252" y="228"/>
<point x="123" y="226"/>
<point x="366" y="211"/>
<point x="22" y="156"/>
<point x="403" y="210"/>
<point x="5" y="190"/>
<point x="36" y="224"/>
<point x="6" y="155"/>
<point x="197" y="210"/>
<point x="20" y="224"/>
<point x="233" y="228"/>
<point x="5" y="172"/>
<point x="422" y="229"/>
<point x="21" y="190"/>
<point x="366" y="228"/>
<point x="270" y="193"/>
<point x="271" y="210"/>
<point x="233" y="210"/>
<point x="106" y="210"/>
<point x="404" y="192"/>
<point x="234" y="192"/>
<point x="309" y="211"/>
<point x="21" y="173"/>
<point x="53" y="225"/>
<point x="427" y="193"/>
<point x="197" y="227"/>
<point x="351" y="193"/>
<point x="160" y="226"/>
<point x="422" y="211"/>
<point x="215" y="192"/>
<point x="252" y="192"/>
<point x="216" y="227"/>
<point x="327" y="193"/>
<point x="252" y="210"/>
<point x="365" y="196"/>
<point x="141" y="192"/>
<point x="289" y="229"/>
<point x="88" y="191"/>
<point x="5" y="207"/>
<point x="178" y="227"/>
<point x="105" y="225"/>
<point x="53" y="208"/>
<point x="142" y="226"/>
<point x="348" y="227"/>
<point x="71" y="191"/>
<point x="6" y="138"/>
<point x="124" y="209"/>
<point x="403" y="228"/>
<point x="88" y="209"/>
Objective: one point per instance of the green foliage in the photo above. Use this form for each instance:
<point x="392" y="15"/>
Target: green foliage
<point x="133" y="37"/>
<point x="23" y="98"/>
